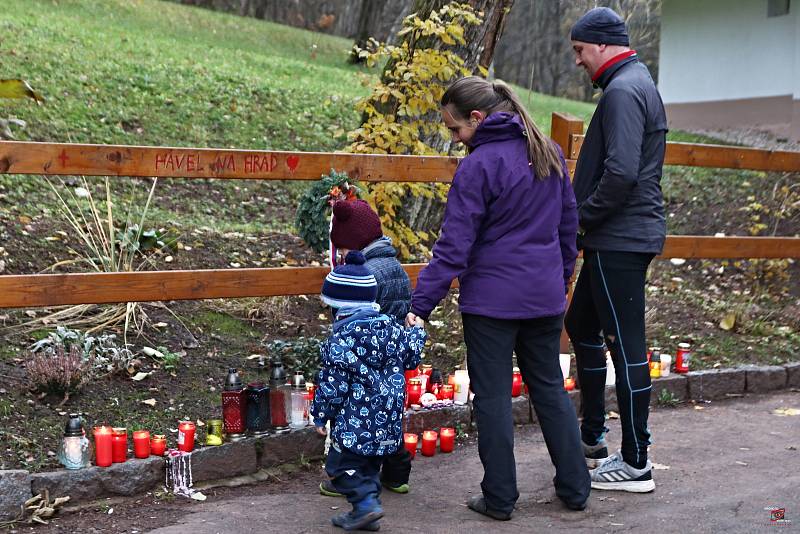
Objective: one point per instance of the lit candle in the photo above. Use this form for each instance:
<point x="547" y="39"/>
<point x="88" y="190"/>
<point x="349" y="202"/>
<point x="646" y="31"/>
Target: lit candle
<point x="410" y="443"/>
<point x="569" y="383"/>
<point x="414" y="390"/>
<point x="102" y="446"/>
<point x="119" y="445"/>
<point x="447" y="439"/>
<point x="429" y="438"/>
<point x="446" y="392"/>
<point x="186" y="436"/>
<point x="412" y="373"/>
<point x="141" y="443"/>
<point x="158" y="445"/>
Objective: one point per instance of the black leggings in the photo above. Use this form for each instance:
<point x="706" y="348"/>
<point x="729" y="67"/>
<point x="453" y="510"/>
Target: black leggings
<point x="607" y="310"/>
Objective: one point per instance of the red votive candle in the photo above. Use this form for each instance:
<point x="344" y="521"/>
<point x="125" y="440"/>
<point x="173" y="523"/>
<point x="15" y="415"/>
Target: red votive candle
<point x="102" y="446"/>
<point x="119" y="445"/>
<point x="446" y="392"/>
<point x="426" y="369"/>
<point x="141" y="443"/>
<point x="569" y="383"/>
<point x="429" y="442"/>
<point x="414" y="390"/>
<point x="412" y="373"/>
<point x="186" y="436"/>
<point x="158" y="445"/>
<point x="516" y="382"/>
<point x="447" y="439"/>
<point x="410" y="443"/>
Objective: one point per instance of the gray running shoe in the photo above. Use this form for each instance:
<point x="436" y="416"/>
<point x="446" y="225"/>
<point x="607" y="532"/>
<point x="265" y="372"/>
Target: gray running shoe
<point x="616" y="474"/>
<point x="595" y="454"/>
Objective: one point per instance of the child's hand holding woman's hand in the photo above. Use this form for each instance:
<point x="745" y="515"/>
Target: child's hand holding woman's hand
<point x="321" y="430"/>
<point x="414" y="320"/>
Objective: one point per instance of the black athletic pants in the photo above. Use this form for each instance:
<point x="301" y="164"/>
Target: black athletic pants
<point x="607" y="311"/>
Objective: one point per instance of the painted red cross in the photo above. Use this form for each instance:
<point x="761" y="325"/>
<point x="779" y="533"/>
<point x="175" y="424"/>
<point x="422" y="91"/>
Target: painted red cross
<point x="63" y="157"/>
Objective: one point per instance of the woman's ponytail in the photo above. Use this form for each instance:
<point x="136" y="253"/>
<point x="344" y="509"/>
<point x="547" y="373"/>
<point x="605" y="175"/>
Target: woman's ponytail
<point x="475" y="93"/>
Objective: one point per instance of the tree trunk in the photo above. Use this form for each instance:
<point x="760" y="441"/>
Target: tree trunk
<point x="426" y="214"/>
<point x="370" y="11"/>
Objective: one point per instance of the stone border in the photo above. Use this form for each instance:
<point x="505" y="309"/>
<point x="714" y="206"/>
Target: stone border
<point x="252" y="455"/>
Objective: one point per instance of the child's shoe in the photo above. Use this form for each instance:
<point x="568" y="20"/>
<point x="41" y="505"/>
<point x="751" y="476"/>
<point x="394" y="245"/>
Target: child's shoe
<point x="397" y="488"/>
<point x="327" y="488"/>
<point x="364" y="513"/>
<point x="347" y="517"/>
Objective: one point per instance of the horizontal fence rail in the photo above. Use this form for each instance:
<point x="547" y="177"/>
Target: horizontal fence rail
<point x="27" y="291"/>
<point x="42" y="290"/>
<point x="22" y="157"/>
<point x="718" y="156"/>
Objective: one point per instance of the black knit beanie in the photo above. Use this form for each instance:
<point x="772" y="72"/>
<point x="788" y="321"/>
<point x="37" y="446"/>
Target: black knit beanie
<point x="600" y="25"/>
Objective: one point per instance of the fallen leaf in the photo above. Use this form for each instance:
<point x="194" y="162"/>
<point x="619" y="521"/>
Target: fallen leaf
<point x="783" y="412"/>
<point x="741" y="463"/>
<point x="149" y="402"/>
<point x="677" y="261"/>
<point x="728" y="322"/>
<point x="254" y="356"/>
<point x="198" y="496"/>
<point x="140" y="376"/>
<point x="699" y="408"/>
<point x="613" y="415"/>
<point x="660" y="467"/>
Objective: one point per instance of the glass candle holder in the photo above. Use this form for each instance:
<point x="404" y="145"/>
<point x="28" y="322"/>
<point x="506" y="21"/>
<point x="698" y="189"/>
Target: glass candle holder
<point x="447" y="439"/>
<point x="461" y="390"/>
<point x="103" y="456"/>
<point x="186" y="436"/>
<point x="410" y="443"/>
<point x="258" y="417"/>
<point x="516" y="382"/>
<point x="569" y="383"/>
<point x="158" y="445"/>
<point x="73" y="451"/>
<point x="141" y="443"/>
<point x="446" y="393"/>
<point x="214" y="434"/>
<point x="429" y="438"/>
<point x="119" y="445"/>
<point x="414" y="390"/>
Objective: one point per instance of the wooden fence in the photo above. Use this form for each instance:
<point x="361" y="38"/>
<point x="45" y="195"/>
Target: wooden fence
<point x="36" y="290"/>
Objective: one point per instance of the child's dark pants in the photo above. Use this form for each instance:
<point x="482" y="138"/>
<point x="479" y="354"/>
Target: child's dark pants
<point x="354" y="476"/>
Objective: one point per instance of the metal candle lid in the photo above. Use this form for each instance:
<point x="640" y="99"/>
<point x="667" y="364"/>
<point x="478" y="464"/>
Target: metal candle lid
<point x="277" y="374"/>
<point x="232" y="381"/>
<point x="74" y="426"/>
<point x="298" y="381"/>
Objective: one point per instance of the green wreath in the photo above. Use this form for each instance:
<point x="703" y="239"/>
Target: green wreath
<point x="313" y="212"/>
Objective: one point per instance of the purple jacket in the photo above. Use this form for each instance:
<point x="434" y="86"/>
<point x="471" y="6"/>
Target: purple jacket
<point x="507" y="236"/>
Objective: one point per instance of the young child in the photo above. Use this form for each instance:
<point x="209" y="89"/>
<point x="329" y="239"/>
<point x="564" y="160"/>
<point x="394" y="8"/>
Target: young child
<point x="361" y="389"/>
<point x="356" y="226"/>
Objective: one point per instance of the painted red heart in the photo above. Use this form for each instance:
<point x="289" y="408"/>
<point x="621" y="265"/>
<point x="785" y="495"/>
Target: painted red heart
<point x="292" y="162"/>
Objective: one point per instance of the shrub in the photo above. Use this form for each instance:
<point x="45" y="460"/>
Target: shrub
<point x="101" y="353"/>
<point x="61" y="371"/>
<point x="299" y="354"/>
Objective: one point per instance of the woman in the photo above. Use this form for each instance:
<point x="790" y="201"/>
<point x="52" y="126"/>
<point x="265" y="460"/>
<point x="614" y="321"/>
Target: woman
<point x="509" y="237"/>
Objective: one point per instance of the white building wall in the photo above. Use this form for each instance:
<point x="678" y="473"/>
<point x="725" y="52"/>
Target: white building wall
<point x="714" y="50"/>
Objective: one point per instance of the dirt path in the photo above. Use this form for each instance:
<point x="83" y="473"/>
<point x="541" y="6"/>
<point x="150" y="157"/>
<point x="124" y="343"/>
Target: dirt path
<point x="729" y="464"/>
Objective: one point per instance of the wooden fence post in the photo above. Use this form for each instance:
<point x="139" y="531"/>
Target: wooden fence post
<point x="562" y="127"/>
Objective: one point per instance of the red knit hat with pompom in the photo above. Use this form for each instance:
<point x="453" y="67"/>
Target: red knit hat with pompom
<point x="355" y="225"/>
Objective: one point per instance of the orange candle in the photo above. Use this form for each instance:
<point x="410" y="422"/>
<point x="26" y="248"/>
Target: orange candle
<point x="447" y="439"/>
<point x="119" y="445"/>
<point x="141" y="443"/>
<point x="429" y="438"/>
<point x="102" y="446"/>
<point x="410" y="443"/>
<point x="186" y="436"/>
<point x="569" y="383"/>
<point x="158" y="445"/>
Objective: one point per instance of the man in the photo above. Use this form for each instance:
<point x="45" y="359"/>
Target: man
<point x="622" y="228"/>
